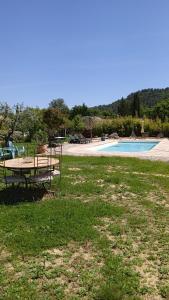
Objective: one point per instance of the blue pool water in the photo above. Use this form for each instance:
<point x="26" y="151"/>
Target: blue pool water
<point x="129" y="147"/>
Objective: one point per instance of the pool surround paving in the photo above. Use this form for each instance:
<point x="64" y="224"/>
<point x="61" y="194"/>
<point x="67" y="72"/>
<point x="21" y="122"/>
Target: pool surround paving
<point x="158" y="152"/>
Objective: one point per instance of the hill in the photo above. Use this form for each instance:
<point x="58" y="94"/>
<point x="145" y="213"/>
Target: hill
<point x="147" y="98"/>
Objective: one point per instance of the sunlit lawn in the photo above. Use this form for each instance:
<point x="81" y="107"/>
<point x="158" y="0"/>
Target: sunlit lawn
<point x="106" y="236"/>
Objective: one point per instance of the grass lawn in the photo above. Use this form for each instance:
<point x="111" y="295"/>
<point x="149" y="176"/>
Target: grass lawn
<point x="105" y="237"/>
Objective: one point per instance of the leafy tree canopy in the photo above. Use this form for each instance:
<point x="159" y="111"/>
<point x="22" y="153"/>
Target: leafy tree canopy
<point x="59" y="103"/>
<point x="78" y="124"/>
<point x="31" y="121"/>
<point x="161" y="110"/>
<point x="53" y="119"/>
<point x="81" y="110"/>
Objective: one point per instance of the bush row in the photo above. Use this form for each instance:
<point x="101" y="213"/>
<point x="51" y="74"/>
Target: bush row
<point x="124" y="126"/>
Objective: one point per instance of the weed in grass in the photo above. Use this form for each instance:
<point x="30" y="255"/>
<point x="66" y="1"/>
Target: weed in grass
<point x="164" y="290"/>
<point x="113" y="179"/>
<point x="20" y="289"/>
<point x="116" y="229"/>
<point x="121" y="275"/>
<point x="109" y="292"/>
<point x="137" y="222"/>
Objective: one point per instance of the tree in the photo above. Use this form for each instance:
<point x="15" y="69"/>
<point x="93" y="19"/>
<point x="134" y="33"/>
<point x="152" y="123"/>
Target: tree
<point x="14" y="120"/>
<point x="136" y="106"/>
<point x="31" y="122"/>
<point x="81" y="110"/>
<point x="5" y="111"/>
<point x="89" y="123"/>
<point x="122" y="107"/>
<point x="53" y="118"/>
<point x="161" y="110"/>
<point x="78" y="124"/>
<point x="59" y="104"/>
<point x="67" y="123"/>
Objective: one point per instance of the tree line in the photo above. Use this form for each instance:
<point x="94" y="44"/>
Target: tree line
<point x="38" y="124"/>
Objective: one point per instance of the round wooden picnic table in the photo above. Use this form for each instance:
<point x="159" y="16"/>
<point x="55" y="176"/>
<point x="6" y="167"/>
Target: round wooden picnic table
<point x="29" y="163"/>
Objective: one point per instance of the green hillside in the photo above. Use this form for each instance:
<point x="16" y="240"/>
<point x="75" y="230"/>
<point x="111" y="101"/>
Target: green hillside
<point x="147" y="98"/>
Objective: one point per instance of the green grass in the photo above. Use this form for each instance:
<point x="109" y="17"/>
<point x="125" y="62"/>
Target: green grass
<point x="104" y="237"/>
<point x="51" y="224"/>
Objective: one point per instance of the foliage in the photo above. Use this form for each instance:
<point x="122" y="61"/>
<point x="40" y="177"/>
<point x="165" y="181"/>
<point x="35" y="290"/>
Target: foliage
<point x="147" y="98"/>
<point x="12" y="118"/>
<point x="31" y="122"/>
<point x="59" y="104"/>
<point x="41" y="137"/>
<point x="124" y="126"/>
<point x="5" y="111"/>
<point x="53" y="118"/>
<point x="81" y="110"/>
<point x="123" y="107"/>
<point x="135" y="107"/>
<point x="161" y="110"/>
<point x="121" y="116"/>
<point x="78" y="124"/>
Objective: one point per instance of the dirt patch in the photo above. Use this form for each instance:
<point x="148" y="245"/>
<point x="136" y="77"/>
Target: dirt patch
<point x="124" y="170"/>
<point x="78" y="180"/>
<point x="115" y="168"/>
<point x="131" y="247"/>
<point x="76" y="260"/>
<point x="9" y="267"/>
<point x="67" y="266"/>
<point x="151" y="297"/>
<point x="149" y="275"/>
<point x="159" y="198"/>
<point x="4" y="255"/>
<point x="74" y="169"/>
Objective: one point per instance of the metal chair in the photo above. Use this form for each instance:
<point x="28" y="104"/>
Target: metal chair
<point x="5" y="153"/>
<point x="56" y="171"/>
<point x="9" y="178"/>
<point x="56" y="153"/>
<point x="20" y="150"/>
<point x="42" y="176"/>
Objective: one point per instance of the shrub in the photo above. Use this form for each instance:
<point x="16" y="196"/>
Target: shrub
<point x="124" y="126"/>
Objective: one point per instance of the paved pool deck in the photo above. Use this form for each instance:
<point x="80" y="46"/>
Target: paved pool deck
<point x="159" y="152"/>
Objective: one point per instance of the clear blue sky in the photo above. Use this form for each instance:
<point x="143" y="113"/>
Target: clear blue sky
<point x="92" y="51"/>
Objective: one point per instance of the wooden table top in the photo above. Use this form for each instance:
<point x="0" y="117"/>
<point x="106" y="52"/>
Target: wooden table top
<point x="30" y="162"/>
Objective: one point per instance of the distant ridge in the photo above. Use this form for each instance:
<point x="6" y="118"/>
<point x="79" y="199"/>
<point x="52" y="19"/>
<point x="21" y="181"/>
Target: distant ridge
<point x="148" y="98"/>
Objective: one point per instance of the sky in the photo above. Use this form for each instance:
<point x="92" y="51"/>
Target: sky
<point x="84" y="51"/>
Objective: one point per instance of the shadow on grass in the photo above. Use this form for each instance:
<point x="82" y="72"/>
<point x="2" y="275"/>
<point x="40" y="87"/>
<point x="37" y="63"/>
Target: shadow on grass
<point x="12" y="196"/>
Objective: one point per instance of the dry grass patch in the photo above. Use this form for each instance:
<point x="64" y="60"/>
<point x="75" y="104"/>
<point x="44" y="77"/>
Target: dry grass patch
<point x="74" y="169"/>
<point x="75" y="269"/>
<point x="126" y="237"/>
<point x="159" y="197"/>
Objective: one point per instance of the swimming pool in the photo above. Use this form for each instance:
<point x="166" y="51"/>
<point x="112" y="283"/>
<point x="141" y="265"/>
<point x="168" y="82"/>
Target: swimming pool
<point x="129" y="147"/>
